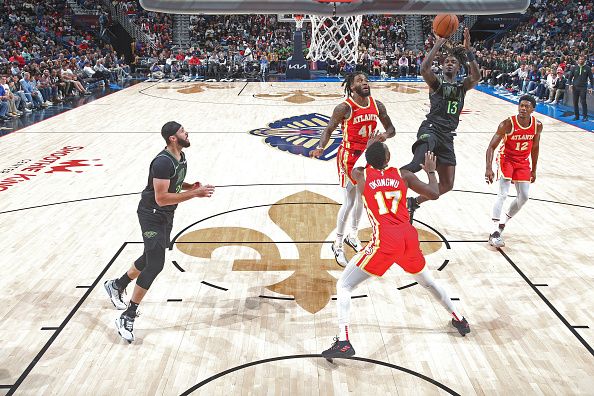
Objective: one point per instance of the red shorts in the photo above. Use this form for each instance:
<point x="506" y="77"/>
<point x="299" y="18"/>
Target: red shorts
<point x="398" y="244"/>
<point x="516" y="171"/>
<point x="346" y="162"/>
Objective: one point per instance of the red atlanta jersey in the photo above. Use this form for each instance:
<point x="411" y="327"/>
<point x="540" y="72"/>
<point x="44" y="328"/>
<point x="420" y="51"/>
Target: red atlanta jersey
<point x="517" y="145"/>
<point x="384" y="197"/>
<point x="360" y="125"/>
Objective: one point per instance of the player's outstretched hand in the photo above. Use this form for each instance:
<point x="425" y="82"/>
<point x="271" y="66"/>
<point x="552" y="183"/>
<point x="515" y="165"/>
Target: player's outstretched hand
<point x="467" y="39"/>
<point x="489" y="176"/>
<point x="204" y="191"/>
<point x="430" y="162"/>
<point x="439" y="41"/>
<point x="316" y="153"/>
<point x="375" y="137"/>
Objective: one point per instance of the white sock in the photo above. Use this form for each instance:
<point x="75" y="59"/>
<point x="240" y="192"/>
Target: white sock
<point x="338" y="241"/>
<point x="344" y="333"/>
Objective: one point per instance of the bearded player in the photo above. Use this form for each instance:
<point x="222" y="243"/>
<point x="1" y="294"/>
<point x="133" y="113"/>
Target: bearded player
<point x="394" y="239"/>
<point x="521" y="139"/>
<point x="446" y="95"/>
<point x="358" y="116"/>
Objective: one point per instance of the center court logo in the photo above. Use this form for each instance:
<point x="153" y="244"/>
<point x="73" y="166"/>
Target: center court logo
<point x="300" y="135"/>
<point x="309" y="283"/>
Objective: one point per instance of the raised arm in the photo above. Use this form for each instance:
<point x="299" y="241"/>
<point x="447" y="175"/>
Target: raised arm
<point x="475" y="76"/>
<point x="428" y="75"/>
<point x="534" y="152"/>
<point x="386" y="121"/>
<point x="503" y="128"/>
<point x="341" y="112"/>
<point x="429" y="190"/>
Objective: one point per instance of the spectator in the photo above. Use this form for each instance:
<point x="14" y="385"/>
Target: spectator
<point x="578" y="77"/>
<point x="558" y="88"/>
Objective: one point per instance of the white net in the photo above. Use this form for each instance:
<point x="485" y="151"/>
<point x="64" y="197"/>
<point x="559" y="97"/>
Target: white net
<point x="335" y="38"/>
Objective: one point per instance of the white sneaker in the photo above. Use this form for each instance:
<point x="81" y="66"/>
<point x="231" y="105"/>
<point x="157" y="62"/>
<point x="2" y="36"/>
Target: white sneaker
<point x="496" y="240"/>
<point x="339" y="255"/>
<point x="353" y="242"/>
<point x="115" y="295"/>
<point x="125" y="326"/>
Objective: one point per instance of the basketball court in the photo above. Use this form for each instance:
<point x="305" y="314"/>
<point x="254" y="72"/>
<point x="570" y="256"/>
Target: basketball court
<point x="245" y="302"/>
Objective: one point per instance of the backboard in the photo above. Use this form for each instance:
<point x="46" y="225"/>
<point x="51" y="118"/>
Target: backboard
<point x="355" y="7"/>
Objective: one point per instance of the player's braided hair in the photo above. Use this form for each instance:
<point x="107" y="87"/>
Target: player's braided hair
<point x="458" y="52"/>
<point x="348" y="82"/>
<point x="376" y="155"/>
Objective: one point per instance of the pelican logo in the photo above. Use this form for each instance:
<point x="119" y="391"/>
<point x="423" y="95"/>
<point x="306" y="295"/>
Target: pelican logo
<point x="298" y="96"/>
<point x="300" y="135"/>
<point x="197" y="87"/>
<point x="309" y="281"/>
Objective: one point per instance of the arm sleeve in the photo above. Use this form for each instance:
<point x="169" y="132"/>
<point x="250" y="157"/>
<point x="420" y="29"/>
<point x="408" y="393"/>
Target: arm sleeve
<point x="162" y="168"/>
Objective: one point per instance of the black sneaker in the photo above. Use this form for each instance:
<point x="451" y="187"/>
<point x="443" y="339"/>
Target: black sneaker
<point x="125" y="325"/>
<point x="462" y="326"/>
<point x="340" y="349"/>
<point x="412" y="205"/>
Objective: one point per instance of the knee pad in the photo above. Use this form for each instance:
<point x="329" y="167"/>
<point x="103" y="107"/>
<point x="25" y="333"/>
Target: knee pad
<point x="140" y="262"/>
<point x="155" y="261"/>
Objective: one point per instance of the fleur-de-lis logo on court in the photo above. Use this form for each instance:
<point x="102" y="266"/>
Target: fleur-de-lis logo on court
<point x="299" y="96"/>
<point x="198" y="87"/>
<point x="398" y="87"/>
<point x="308" y="219"/>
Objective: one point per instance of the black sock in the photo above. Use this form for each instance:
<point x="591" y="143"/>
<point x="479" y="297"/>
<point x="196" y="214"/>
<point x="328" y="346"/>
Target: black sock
<point x="122" y="282"/>
<point x="131" y="310"/>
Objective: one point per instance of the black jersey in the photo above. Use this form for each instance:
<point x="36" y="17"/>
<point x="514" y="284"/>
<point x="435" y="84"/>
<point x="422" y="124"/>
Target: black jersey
<point x="164" y="166"/>
<point x="446" y="104"/>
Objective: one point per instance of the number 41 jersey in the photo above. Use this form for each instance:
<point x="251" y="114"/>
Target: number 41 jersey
<point x="362" y="123"/>
<point x="384" y="197"/>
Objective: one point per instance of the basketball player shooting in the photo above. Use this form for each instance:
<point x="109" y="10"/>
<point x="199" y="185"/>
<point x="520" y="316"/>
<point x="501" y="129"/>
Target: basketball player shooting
<point x="394" y="239"/>
<point x="357" y="116"/>
<point x="521" y="139"/>
<point x="446" y="95"/>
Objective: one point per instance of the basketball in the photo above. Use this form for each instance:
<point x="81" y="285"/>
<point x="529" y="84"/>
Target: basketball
<point x="444" y="25"/>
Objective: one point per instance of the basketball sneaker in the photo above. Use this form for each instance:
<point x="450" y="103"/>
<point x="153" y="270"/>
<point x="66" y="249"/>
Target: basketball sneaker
<point x="115" y="294"/>
<point x="339" y="255"/>
<point x="462" y="326"/>
<point x="340" y="349"/>
<point x="125" y="325"/>
<point x="496" y="240"/>
<point x="412" y="205"/>
<point x="353" y="242"/>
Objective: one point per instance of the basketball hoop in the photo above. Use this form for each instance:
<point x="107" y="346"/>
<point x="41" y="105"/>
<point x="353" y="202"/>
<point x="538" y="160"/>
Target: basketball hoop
<point x="298" y="21"/>
<point x="335" y="37"/>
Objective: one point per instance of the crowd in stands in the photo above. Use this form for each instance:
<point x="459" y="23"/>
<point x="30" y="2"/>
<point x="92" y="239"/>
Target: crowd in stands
<point x="232" y="45"/>
<point x="537" y="57"/>
<point x="44" y="60"/>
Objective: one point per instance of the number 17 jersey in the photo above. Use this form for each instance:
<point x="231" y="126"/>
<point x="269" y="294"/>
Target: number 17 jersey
<point x="384" y="197"/>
